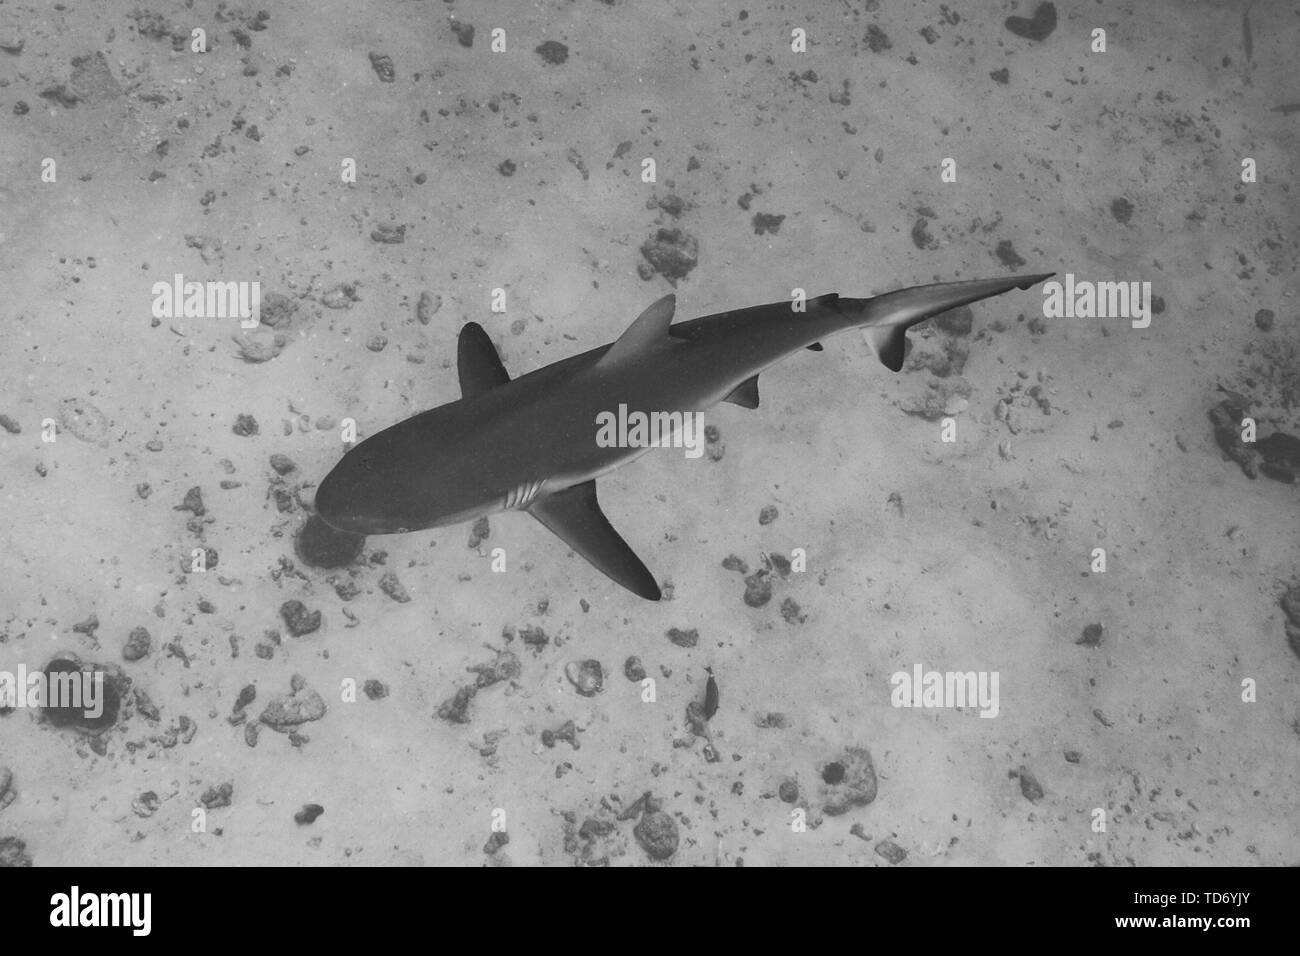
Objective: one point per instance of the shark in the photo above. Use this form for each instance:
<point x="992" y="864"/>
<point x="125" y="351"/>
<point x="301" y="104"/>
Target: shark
<point x="530" y="443"/>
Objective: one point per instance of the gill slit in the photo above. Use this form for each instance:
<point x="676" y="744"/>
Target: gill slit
<point x="522" y="496"/>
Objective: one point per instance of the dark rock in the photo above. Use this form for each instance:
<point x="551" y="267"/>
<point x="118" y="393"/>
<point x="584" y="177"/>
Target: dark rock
<point x="479" y="532"/>
<point x="684" y="638"/>
<point x="1038" y="27"/>
<point x="376" y="690"/>
<point x="586" y="676"/>
<point x="456" y="710"/>
<point x="1264" y="320"/>
<point x="276" y="310"/>
<point x="1122" y="210"/>
<point x="672" y="204"/>
<point x="1226" y="418"/>
<point x="72" y="681"/>
<point x="768" y="514"/>
<point x="593" y="829"/>
<point x="672" y="253"/>
<point x="286" y="711"/>
<point x="1291" y="603"/>
<point x="791" y="612"/>
<point x="13" y="853"/>
<point x="1281" y="454"/>
<point x="383" y="67"/>
<point x="758" y="589"/>
<point x="921" y="237"/>
<point x="734" y="563"/>
<point x="788" y="791"/>
<point x="849" y="781"/>
<point x="7" y="792"/>
<point x="505" y="666"/>
<point x="193" y="502"/>
<point x="955" y="321"/>
<point x="533" y="637"/>
<point x="1007" y="255"/>
<point x="891" y="851"/>
<point x="495" y="842"/>
<point x="218" y="796"/>
<point x="1091" y="636"/>
<point x="657" y="834"/>
<point x="298" y="619"/>
<point x="282" y="464"/>
<point x="388" y="234"/>
<point x="634" y="670"/>
<point x="877" y="40"/>
<point x="765" y="223"/>
<point x="464" y="33"/>
<point x="138" y="645"/>
<point x="308" y="814"/>
<point x="553" y="52"/>
<point x="427" y="307"/>
<point x="696" y="722"/>
<point x="568" y="732"/>
<point x="1030" y="788"/>
<point x="392" y="586"/>
<point x="245" y="426"/>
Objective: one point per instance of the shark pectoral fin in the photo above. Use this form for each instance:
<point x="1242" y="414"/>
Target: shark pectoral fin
<point x="745" y="394"/>
<point x="650" y="326"/>
<point x="574" y="515"/>
<point x="478" y="362"/>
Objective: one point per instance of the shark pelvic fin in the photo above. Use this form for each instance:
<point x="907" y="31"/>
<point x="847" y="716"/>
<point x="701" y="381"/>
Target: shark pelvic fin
<point x="478" y="362"/>
<point x="745" y="394"/>
<point x="885" y="319"/>
<point x="575" y="516"/>
<point x="650" y="326"/>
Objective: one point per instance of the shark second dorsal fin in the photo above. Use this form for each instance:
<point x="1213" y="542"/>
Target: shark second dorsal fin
<point x="650" y="327"/>
<point x="574" y="514"/>
<point x="477" y="361"/>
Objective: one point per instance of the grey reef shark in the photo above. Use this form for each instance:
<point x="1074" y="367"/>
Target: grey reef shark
<point x="529" y="444"/>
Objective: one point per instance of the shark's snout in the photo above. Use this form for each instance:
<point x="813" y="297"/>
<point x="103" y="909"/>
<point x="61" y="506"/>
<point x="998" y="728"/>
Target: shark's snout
<point x="346" y="498"/>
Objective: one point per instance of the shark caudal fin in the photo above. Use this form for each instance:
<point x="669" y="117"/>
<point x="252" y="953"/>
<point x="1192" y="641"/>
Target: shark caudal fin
<point x="885" y="319"/>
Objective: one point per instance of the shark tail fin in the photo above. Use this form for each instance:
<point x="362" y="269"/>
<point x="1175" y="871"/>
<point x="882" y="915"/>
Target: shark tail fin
<point x="885" y="319"/>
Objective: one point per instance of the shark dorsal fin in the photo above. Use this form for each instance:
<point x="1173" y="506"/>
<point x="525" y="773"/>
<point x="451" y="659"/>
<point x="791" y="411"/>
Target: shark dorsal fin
<point x="477" y="361"/>
<point x="650" y="326"/>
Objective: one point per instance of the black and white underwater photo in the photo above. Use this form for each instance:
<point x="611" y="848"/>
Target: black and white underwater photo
<point x="612" y="433"/>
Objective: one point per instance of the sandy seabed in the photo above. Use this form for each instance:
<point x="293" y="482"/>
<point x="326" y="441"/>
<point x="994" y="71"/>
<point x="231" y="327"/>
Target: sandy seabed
<point x="415" y="706"/>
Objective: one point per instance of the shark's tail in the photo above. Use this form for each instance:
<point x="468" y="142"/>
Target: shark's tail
<point x="886" y="318"/>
